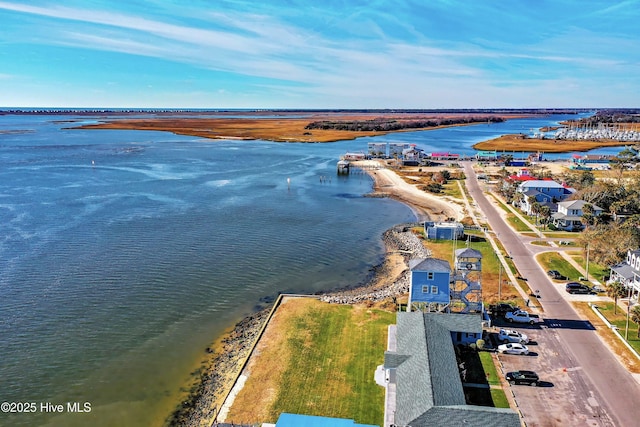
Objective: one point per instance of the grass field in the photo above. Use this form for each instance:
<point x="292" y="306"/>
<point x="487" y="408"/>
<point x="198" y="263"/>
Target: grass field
<point x="517" y="223"/>
<point x="619" y="319"/>
<point x="596" y="271"/>
<point x="553" y="261"/>
<point x="317" y="359"/>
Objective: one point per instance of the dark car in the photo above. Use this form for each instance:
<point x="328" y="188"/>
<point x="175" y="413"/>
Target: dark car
<point x="577" y="288"/>
<point x="555" y="274"/>
<point x="502" y="308"/>
<point x="522" y="377"/>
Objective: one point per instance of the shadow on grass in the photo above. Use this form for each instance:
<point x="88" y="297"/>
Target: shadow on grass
<point x="477" y="390"/>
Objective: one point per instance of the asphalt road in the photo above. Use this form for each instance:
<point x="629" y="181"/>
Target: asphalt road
<point x="587" y="385"/>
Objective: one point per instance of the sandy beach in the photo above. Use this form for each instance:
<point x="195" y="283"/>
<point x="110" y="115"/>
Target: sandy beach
<point x="426" y="206"/>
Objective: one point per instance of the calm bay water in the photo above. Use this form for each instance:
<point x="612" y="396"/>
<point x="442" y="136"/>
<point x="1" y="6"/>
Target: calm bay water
<point x="123" y="254"/>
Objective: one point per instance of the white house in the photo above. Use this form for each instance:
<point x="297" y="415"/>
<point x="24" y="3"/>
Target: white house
<point x="570" y="213"/>
<point x="628" y="273"/>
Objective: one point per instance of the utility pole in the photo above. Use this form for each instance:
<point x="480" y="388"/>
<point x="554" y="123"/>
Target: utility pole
<point x="500" y="283"/>
<point x="587" y="269"/>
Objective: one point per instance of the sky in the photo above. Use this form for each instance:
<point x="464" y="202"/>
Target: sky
<point x="320" y="54"/>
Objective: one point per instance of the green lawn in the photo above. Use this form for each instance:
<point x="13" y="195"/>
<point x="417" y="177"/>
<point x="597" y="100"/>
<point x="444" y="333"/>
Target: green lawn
<point x="517" y="224"/>
<point x="595" y="270"/>
<point x="451" y="188"/>
<point x="499" y="398"/>
<point x="489" y="368"/>
<point x="553" y="261"/>
<point x="619" y="319"/>
<point x="337" y="349"/>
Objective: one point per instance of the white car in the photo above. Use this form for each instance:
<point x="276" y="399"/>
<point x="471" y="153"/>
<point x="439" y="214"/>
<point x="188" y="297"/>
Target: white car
<point x="508" y="335"/>
<point x="513" y="348"/>
<point x="519" y="316"/>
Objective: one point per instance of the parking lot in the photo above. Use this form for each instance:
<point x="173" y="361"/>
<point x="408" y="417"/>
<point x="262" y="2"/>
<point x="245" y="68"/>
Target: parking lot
<point x="553" y="402"/>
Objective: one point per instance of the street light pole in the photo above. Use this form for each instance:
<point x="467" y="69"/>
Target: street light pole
<point x="587" y="270"/>
<point x="626" y="332"/>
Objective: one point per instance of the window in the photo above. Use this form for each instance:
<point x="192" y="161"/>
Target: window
<point x="430" y="275"/>
<point x="434" y="289"/>
<point x="425" y="289"/>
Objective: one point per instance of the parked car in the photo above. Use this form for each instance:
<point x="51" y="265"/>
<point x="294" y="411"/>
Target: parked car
<point x="508" y="335"/>
<point x="519" y="316"/>
<point x="555" y="274"/>
<point x="513" y="348"/>
<point x="522" y="377"/>
<point x="577" y="288"/>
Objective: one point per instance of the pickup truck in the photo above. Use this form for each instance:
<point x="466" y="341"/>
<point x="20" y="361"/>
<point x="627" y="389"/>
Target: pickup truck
<point x="520" y="316"/>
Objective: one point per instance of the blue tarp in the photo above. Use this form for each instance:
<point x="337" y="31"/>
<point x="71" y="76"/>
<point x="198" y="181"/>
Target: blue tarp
<point x="295" y="420"/>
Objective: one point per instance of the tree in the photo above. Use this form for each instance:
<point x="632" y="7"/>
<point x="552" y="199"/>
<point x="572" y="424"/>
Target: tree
<point x="587" y="179"/>
<point x="616" y="290"/>
<point x="545" y="214"/>
<point x="635" y="316"/>
<point x="588" y="217"/>
<point x="535" y="209"/>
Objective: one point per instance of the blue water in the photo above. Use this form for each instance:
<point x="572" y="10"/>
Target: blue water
<point x="123" y="254"/>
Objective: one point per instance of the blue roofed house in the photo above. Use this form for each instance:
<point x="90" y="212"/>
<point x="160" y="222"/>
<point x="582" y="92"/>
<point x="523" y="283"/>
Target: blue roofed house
<point x="423" y="381"/>
<point x="545" y="192"/>
<point x="430" y="278"/>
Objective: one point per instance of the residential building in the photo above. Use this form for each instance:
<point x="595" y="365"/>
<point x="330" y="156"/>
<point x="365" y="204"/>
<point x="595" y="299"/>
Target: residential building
<point x="569" y="215"/>
<point x="423" y="381"/>
<point x="377" y="149"/>
<point x="628" y="273"/>
<point x="430" y="278"/>
<point x="444" y="230"/>
<point x="544" y="192"/>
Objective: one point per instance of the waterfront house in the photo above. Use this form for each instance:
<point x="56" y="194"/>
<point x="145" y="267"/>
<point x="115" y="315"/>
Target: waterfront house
<point x="429" y="283"/>
<point x="396" y="149"/>
<point x="424" y="384"/>
<point x="569" y="215"/>
<point x="377" y="149"/>
<point x="412" y="156"/>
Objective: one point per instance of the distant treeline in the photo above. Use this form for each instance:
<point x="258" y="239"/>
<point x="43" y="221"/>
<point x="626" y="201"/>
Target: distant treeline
<point x="388" y="124"/>
<point x="617" y="116"/>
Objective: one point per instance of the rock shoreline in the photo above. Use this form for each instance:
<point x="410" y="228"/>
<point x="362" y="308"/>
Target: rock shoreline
<point x="215" y="378"/>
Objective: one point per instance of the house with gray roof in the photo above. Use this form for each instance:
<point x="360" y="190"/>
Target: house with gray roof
<point x="569" y="215"/>
<point x="423" y="375"/>
<point x="628" y="273"/>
